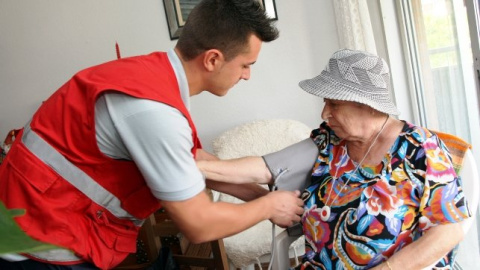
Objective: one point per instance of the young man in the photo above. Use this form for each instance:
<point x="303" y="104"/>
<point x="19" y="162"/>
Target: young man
<point x="116" y="141"/>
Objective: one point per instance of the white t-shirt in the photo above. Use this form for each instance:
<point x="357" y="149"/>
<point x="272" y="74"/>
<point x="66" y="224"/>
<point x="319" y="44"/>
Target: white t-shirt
<point x="156" y="136"/>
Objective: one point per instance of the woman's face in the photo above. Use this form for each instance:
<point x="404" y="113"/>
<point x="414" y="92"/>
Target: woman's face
<point x="349" y="120"/>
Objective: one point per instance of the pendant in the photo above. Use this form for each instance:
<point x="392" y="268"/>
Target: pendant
<point x="325" y="213"/>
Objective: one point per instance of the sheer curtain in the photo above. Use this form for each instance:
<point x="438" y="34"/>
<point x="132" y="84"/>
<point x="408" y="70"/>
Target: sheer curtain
<point x="354" y="26"/>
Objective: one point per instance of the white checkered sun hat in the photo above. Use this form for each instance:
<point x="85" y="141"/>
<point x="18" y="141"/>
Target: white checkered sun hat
<point x="354" y="76"/>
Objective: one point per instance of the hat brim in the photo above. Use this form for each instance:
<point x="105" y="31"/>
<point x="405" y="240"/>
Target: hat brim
<point x="323" y="86"/>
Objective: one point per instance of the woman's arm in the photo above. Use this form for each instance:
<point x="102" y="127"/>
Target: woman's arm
<point x="204" y="155"/>
<point x="427" y="250"/>
<point x="296" y="160"/>
<point x="245" y="192"/>
<point x="439" y="240"/>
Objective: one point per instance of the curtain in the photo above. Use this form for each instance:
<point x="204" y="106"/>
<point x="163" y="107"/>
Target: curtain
<point x="354" y="26"/>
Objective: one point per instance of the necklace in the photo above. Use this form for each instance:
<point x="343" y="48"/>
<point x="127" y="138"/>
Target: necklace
<point x="325" y="211"/>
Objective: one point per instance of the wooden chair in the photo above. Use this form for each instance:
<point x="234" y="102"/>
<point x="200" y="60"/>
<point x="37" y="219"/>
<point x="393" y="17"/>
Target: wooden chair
<point x="143" y="258"/>
<point x="159" y="231"/>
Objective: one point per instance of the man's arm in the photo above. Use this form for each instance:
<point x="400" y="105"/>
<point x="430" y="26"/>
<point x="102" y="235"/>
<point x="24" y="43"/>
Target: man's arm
<point x="245" y="192"/>
<point x="161" y="148"/>
<point x="202" y="220"/>
<point x="289" y="168"/>
<point x="239" y="171"/>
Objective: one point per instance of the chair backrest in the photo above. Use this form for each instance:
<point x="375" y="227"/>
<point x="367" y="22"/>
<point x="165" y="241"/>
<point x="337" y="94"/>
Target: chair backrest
<point x="471" y="187"/>
<point x="259" y="137"/>
<point x="464" y="163"/>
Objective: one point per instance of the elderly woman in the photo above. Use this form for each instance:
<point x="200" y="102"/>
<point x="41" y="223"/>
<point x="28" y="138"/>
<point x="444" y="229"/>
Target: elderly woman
<point x="382" y="194"/>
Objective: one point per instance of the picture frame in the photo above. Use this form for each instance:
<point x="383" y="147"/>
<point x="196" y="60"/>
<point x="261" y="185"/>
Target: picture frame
<point x="177" y="11"/>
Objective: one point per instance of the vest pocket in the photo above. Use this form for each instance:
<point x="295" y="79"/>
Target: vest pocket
<point x="31" y="169"/>
<point x="27" y="180"/>
<point x="115" y="233"/>
<point x="110" y="239"/>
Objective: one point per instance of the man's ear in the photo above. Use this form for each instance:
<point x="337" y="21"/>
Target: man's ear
<point x="212" y="59"/>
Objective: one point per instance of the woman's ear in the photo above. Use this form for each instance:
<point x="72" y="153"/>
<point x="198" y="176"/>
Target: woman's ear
<point x="212" y="59"/>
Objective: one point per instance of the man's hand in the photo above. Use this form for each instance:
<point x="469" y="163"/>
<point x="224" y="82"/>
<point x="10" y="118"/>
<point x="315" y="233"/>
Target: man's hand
<point x="202" y="220"/>
<point x="287" y="207"/>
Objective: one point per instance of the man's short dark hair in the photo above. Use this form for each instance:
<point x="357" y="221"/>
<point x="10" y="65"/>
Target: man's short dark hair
<point x="225" y="25"/>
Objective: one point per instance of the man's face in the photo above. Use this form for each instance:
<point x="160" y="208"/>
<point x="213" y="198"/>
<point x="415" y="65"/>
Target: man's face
<point x="231" y="72"/>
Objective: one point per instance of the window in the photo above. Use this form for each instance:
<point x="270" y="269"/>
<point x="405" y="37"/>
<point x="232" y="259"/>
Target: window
<point x="439" y="46"/>
<point x="440" y="50"/>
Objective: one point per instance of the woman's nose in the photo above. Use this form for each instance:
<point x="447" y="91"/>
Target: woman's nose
<point x="325" y="113"/>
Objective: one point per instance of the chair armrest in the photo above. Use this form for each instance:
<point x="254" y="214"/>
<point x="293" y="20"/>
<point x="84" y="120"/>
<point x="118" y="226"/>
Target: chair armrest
<point x="281" y="259"/>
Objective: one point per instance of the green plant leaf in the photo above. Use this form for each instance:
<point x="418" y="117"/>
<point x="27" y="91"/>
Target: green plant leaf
<point x="12" y="237"/>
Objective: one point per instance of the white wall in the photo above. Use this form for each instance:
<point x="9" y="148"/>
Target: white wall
<point x="43" y="43"/>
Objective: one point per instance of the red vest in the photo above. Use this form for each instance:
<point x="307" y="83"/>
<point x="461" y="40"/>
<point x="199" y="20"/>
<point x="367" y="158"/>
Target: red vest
<point x="75" y="196"/>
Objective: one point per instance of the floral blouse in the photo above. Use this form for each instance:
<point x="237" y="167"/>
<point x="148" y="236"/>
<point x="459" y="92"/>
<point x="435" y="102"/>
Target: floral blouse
<point x="379" y="209"/>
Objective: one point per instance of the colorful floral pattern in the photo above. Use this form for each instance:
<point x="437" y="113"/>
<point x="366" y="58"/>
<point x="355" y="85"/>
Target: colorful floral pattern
<point x="381" y="209"/>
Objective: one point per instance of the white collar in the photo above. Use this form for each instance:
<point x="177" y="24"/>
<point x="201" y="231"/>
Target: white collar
<point x="181" y="77"/>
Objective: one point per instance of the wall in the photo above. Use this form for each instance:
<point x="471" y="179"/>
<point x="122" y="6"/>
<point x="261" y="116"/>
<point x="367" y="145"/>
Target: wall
<point x="43" y="43"/>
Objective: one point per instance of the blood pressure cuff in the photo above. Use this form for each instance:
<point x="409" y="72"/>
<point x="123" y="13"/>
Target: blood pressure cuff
<point x="291" y="167"/>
